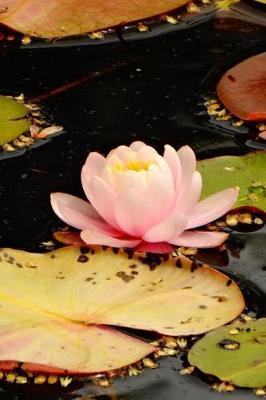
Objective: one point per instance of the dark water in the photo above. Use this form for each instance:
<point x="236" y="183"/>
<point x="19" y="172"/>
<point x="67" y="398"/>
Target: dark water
<point x="155" y="98"/>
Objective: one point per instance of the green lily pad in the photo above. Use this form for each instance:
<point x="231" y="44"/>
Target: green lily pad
<point x="14" y="119"/>
<point x="235" y="353"/>
<point x="247" y="172"/>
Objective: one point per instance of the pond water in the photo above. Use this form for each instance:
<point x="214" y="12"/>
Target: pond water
<point x="150" y="90"/>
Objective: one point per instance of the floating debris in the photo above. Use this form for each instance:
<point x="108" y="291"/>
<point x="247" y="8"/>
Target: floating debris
<point x="38" y="130"/>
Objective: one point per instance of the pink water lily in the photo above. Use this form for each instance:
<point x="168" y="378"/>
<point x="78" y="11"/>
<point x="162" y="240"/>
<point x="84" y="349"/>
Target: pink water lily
<point x="142" y="200"/>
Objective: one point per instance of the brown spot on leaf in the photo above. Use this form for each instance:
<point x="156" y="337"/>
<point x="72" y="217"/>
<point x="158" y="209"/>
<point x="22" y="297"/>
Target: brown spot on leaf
<point x="124" y="276"/>
<point x="84" y="250"/>
<point x="82" y="258"/>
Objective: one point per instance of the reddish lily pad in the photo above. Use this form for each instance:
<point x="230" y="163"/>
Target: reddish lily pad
<point x="56" y="307"/>
<point x="234" y="353"/>
<point x="59" y="18"/>
<point x="242" y="89"/>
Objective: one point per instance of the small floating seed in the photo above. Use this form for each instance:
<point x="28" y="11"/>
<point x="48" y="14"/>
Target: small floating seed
<point x="26" y="40"/>
<point x="102" y="382"/>
<point x="132" y="371"/>
<point x="171" y="20"/>
<point x="221" y="224"/>
<point x="229" y="344"/>
<point x="40" y="379"/>
<point x="21" y="380"/>
<point x="156" y="343"/>
<point x="149" y="363"/>
<point x="212" y="227"/>
<point x="245" y="218"/>
<point x="8" y="147"/>
<point x="96" y="35"/>
<point x="182" y="342"/>
<point x="142" y="27"/>
<point x="246" y="317"/>
<point x="11" y="377"/>
<point x="65" y="381"/>
<point x="160" y="353"/>
<point x="189" y="251"/>
<point x="224" y="118"/>
<point x="261" y="127"/>
<point x="234" y="331"/>
<point x="170" y="342"/>
<point x="258" y="221"/>
<point x="210" y="101"/>
<point x="260" y="392"/>
<point x="238" y="123"/>
<point x="214" y="106"/>
<point x="193" y="8"/>
<point x="19" y="144"/>
<point x="223" y="387"/>
<point x="20" y="97"/>
<point x="187" y="371"/>
<point x="52" y="379"/>
<point x="231" y="220"/>
<point x="170" y="352"/>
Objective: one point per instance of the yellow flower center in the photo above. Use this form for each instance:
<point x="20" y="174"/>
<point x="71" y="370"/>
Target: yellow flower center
<point x="133" y="165"/>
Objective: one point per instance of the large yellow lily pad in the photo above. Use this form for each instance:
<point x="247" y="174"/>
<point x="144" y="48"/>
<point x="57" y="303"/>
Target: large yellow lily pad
<point x="55" y="307"/>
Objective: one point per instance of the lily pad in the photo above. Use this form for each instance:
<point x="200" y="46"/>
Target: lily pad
<point x="247" y="172"/>
<point x="14" y="119"/>
<point x="242" y="89"/>
<point x="56" y="307"/>
<point x="235" y="353"/>
<point x="60" y="18"/>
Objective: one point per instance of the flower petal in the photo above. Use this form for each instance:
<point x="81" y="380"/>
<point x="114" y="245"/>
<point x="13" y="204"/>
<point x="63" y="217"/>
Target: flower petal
<point x="74" y="211"/>
<point x="93" y="237"/>
<point x="201" y="239"/>
<point x="159" y="248"/>
<point x="147" y="153"/>
<point x="167" y="230"/>
<point x="94" y="164"/>
<point x="173" y="161"/>
<point x="191" y="196"/>
<point x="212" y="207"/>
<point x="101" y="196"/>
<point x="160" y="195"/>
<point x="136" y="146"/>
<point x="125" y="153"/>
<point x="133" y="213"/>
<point x="188" y="167"/>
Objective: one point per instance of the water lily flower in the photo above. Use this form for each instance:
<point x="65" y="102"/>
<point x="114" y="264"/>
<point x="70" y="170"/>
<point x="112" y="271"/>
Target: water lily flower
<point x="142" y="200"/>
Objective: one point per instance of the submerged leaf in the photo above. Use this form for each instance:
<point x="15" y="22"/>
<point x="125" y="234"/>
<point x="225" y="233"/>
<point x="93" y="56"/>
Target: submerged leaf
<point x="13" y="119"/>
<point x="234" y="353"/>
<point x="59" y="18"/>
<point x="53" y="305"/>
<point x="247" y="172"/>
<point x="242" y="89"/>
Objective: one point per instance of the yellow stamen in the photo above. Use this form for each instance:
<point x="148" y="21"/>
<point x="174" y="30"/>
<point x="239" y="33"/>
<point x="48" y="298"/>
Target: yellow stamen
<point x="138" y="165"/>
<point x="133" y="165"/>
